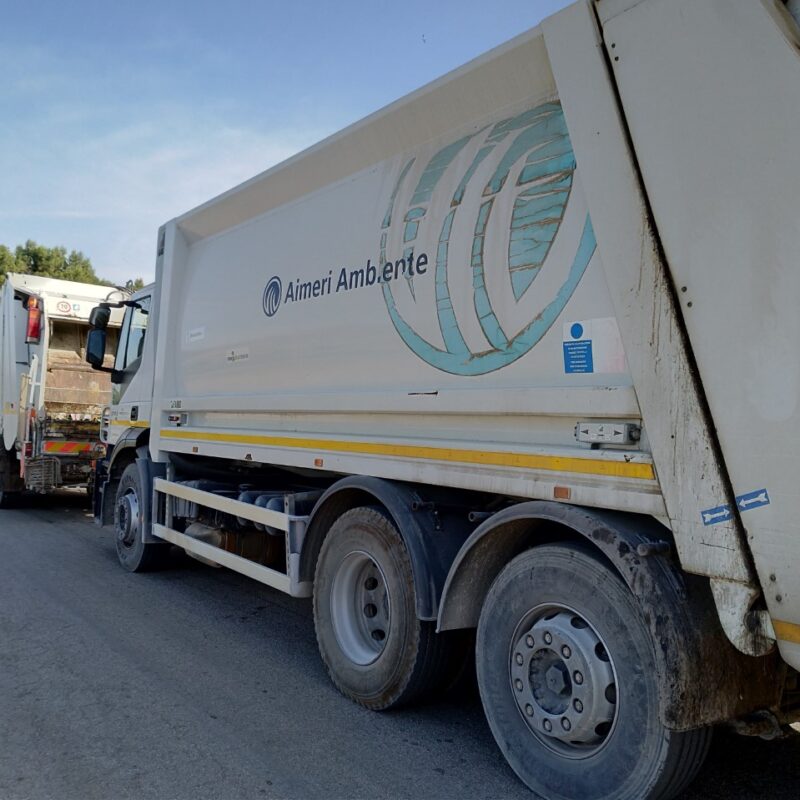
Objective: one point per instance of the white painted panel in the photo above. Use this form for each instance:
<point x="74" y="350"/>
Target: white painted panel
<point x="271" y="292"/>
<point x="711" y="92"/>
<point x="680" y="437"/>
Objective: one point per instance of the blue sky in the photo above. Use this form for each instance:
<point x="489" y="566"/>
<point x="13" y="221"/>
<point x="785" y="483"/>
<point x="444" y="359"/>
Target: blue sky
<point x="117" y="116"/>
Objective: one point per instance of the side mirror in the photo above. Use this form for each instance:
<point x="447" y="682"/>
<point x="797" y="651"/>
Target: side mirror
<point x="99" y="318"/>
<point x="96" y="345"/>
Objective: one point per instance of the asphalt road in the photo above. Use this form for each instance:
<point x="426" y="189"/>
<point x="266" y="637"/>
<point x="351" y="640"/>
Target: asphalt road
<point x="198" y="683"/>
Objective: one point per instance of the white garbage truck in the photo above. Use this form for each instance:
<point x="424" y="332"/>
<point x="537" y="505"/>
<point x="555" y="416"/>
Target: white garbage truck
<point x="51" y="399"/>
<point x="514" y="358"/>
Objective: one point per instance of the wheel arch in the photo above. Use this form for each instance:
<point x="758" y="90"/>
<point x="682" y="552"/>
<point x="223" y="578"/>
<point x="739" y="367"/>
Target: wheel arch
<point x="511" y="531"/>
<point x="125" y="451"/>
<point x="678" y="608"/>
<point x="432" y="545"/>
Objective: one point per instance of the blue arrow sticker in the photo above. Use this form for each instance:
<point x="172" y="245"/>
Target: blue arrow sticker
<point x="713" y="516"/>
<point x="750" y="500"/>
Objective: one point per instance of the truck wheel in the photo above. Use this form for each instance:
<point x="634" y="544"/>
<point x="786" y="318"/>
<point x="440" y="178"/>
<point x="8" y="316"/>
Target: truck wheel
<point x="378" y="653"/>
<point x="567" y="677"/>
<point x="134" y="554"/>
<point x="8" y="499"/>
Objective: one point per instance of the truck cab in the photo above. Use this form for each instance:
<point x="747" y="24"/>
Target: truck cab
<point x="125" y="423"/>
<point x="132" y="378"/>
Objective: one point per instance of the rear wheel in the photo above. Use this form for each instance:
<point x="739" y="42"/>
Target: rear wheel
<point x="567" y="677"/>
<point x="134" y="554"/>
<point x="9" y="499"/>
<point x="376" y="650"/>
<point x="10" y="479"/>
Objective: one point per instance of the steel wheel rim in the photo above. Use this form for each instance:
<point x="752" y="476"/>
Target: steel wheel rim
<point x="128" y="519"/>
<point x="564" y="681"/>
<point x="360" y="608"/>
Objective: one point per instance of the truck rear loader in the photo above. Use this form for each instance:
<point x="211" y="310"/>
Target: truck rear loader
<point x="513" y="358"/>
<point x="51" y="399"/>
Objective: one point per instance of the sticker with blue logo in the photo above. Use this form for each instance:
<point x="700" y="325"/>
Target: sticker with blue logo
<point x="577" y="349"/>
<point x="713" y="516"/>
<point x="593" y="345"/>
<point x="753" y="500"/>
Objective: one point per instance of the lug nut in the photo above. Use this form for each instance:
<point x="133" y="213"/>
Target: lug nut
<point x="518" y="685"/>
<point x="519" y="659"/>
<point x="577" y="705"/>
<point x="529" y="710"/>
<point x="578" y="677"/>
<point x="548" y="638"/>
<point x="529" y="641"/>
<point x="566" y="652"/>
<point x="565" y="723"/>
<point x="547" y="725"/>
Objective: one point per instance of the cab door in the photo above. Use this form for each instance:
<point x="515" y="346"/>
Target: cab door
<point x="133" y="387"/>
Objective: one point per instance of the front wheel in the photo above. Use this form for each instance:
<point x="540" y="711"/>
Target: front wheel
<point x="133" y="552"/>
<point x="567" y="676"/>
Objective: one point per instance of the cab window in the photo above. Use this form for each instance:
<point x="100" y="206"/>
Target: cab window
<point x="131" y="341"/>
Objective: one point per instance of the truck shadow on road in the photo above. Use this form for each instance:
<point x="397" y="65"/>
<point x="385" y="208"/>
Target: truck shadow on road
<point x="747" y="768"/>
<point x="58" y="500"/>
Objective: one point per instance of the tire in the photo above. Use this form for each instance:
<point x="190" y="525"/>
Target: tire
<point x="134" y="554"/>
<point x="9" y="499"/>
<point x="9" y="477"/>
<point x="561" y="642"/>
<point x="376" y="650"/>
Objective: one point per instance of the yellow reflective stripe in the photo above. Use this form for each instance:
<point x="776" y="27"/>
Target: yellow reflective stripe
<point x="786" y="631"/>
<point x="586" y="466"/>
<point x="142" y="423"/>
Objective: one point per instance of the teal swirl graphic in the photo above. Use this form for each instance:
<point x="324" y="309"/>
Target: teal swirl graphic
<point x="535" y="146"/>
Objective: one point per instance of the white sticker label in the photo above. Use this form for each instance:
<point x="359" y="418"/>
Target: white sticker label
<point x="234" y="356"/>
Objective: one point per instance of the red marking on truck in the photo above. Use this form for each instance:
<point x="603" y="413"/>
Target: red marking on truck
<point x="67" y="448"/>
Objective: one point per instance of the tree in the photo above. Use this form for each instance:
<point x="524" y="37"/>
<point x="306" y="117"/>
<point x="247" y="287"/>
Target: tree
<point x="53" y="262"/>
<point x="7" y="263"/>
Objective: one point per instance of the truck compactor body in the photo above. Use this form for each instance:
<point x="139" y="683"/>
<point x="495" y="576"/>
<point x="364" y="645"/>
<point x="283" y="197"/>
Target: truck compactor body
<point x="51" y="400"/>
<point x="516" y="355"/>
